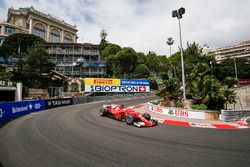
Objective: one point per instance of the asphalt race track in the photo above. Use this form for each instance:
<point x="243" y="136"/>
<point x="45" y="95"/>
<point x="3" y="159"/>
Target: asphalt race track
<point x="76" y="136"/>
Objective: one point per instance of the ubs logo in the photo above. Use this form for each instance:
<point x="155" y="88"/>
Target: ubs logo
<point x="170" y="112"/>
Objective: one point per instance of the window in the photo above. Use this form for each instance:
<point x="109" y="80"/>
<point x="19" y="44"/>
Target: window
<point x="54" y="38"/>
<point x="66" y="40"/>
<point x="10" y="30"/>
<point x="39" y="32"/>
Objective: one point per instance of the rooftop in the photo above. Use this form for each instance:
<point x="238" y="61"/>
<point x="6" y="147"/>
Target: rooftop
<point x="27" y="10"/>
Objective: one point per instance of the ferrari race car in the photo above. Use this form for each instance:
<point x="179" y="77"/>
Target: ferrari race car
<point x="128" y="115"/>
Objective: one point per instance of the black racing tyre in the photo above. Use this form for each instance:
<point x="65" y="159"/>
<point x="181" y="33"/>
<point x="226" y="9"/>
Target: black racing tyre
<point x="104" y="112"/>
<point x="155" y="121"/>
<point x="146" y="116"/>
<point x="129" y="119"/>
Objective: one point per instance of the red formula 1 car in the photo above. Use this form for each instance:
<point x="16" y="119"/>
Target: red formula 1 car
<point x="128" y="115"/>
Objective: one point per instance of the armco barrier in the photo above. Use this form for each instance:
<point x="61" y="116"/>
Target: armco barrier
<point x="234" y="115"/>
<point x="13" y="110"/>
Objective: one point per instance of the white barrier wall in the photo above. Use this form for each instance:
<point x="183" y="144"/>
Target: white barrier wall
<point x="184" y="113"/>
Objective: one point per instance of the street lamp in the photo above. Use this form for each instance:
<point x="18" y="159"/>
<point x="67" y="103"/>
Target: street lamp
<point x="178" y="13"/>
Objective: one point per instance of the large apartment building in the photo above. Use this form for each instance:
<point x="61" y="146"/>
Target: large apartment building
<point x="235" y="51"/>
<point x="71" y="59"/>
<point x="29" y="20"/>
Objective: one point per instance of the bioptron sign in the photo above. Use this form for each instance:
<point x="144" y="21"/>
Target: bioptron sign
<point x="116" y="85"/>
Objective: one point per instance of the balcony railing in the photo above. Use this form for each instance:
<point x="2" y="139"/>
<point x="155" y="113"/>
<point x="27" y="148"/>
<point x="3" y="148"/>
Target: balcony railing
<point x="79" y="73"/>
<point x="73" y="52"/>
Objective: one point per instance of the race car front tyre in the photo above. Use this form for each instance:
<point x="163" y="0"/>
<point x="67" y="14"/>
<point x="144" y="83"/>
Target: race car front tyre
<point x="129" y="119"/>
<point x="154" y="121"/>
<point x="146" y="116"/>
<point x="103" y="112"/>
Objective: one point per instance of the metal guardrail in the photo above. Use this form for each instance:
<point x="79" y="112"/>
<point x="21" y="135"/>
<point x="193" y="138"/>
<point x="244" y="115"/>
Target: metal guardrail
<point x="11" y="110"/>
<point x="234" y="115"/>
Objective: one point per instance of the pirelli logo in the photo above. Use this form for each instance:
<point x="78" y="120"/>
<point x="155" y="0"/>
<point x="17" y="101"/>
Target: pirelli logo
<point x="103" y="82"/>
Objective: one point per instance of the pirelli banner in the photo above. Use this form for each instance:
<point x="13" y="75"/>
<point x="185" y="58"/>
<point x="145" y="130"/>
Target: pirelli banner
<point x="116" y="85"/>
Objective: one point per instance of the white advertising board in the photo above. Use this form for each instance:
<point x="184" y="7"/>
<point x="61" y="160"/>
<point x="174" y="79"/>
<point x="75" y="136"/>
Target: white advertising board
<point x="114" y="88"/>
<point x="184" y="113"/>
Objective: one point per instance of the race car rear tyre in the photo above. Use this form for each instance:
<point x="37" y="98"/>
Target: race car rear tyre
<point x="146" y="116"/>
<point x="129" y="119"/>
<point x="103" y="112"/>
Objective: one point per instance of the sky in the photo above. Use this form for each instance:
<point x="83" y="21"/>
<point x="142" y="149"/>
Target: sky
<point x="145" y="25"/>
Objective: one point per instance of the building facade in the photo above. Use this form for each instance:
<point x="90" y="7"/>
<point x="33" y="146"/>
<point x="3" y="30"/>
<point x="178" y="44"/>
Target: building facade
<point x="70" y="58"/>
<point x="76" y="60"/>
<point x="235" y="51"/>
<point x="29" y="20"/>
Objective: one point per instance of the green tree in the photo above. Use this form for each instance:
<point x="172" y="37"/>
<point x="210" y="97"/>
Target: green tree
<point x="128" y="60"/>
<point x="175" y="64"/>
<point x="38" y="68"/>
<point x="164" y="76"/>
<point x="16" y="46"/>
<point x="164" y="64"/>
<point x="18" y="74"/>
<point x="18" y="43"/>
<point x="141" y="58"/>
<point x="4" y="75"/>
<point x="153" y="83"/>
<point x="141" y="71"/>
<point x="114" y="64"/>
<point x="230" y="82"/>
<point x="206" y="89"/>
<point x="110" y="49"/>
<point x="103" y="42"/>
<point x="192" y="56"/>
<point x="152" y="62"/>
<point x="226" y="68"/>
<point x="172" y="87"/>
<point x="228" y="95"/>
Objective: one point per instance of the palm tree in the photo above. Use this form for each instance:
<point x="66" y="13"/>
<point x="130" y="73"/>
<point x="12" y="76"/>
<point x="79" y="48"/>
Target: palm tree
<point x="103" y="34"/>
<point x="170" y="42"/>
<point x="206" y="89"/>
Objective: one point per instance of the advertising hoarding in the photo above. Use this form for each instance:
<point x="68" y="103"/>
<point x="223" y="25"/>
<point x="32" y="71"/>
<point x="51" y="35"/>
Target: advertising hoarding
<point x="52" y="103"/>
<point x="116" y="85"/>
<point x="15" y="109"/>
